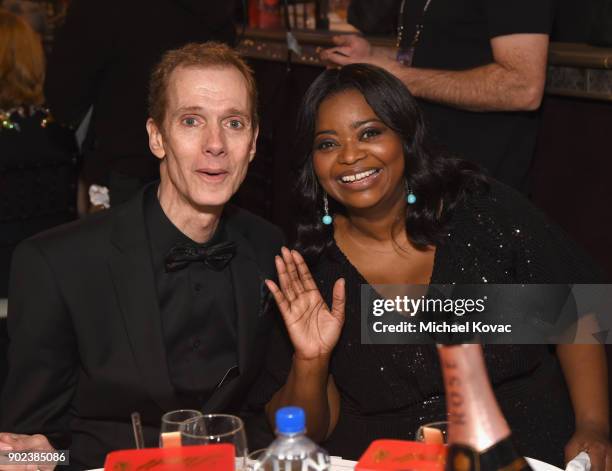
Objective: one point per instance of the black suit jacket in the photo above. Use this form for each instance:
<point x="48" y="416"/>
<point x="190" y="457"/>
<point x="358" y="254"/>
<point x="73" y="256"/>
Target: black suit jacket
<point x="86" y="347"/>
<point x="103" y="57"/>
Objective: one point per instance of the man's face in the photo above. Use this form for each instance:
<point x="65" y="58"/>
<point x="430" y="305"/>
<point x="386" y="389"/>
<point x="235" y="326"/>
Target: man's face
<point x="207" y="138"/>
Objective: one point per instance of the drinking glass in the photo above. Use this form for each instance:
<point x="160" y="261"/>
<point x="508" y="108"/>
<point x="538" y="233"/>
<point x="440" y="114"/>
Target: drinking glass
<point x="171" y="424"/>
<point x="433" y="432"/>
<point x="212" y="429"/>
<point x="254" y="457"/>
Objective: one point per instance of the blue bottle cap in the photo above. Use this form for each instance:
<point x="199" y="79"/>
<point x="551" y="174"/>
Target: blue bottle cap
<point x="290" y="420"/>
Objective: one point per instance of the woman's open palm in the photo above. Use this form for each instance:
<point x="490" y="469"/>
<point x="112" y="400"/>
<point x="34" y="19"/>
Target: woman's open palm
<point x="314" y="329"/>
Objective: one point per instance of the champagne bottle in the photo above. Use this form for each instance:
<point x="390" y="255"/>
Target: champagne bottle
<point x="478" y="435"/>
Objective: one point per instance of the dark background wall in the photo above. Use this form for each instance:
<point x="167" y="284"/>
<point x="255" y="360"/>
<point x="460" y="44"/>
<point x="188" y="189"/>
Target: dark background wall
<point x="572" y="169"/>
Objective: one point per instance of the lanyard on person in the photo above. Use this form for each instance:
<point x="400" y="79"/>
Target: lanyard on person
<point x="405" y="55"/>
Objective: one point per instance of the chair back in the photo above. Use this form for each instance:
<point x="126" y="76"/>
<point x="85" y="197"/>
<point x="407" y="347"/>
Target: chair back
<point x="38" y="185"/>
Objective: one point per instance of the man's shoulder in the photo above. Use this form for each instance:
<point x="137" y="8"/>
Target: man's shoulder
<point x="254" y="228"/>
<point x="82" y="235"/>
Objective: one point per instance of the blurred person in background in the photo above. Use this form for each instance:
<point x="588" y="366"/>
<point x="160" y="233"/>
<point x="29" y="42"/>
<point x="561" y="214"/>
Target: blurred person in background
<point x="34" y="12"/>
<point x="477" y="67"/>
<point x="102" y="58"/>
<point x="37" y="156"/>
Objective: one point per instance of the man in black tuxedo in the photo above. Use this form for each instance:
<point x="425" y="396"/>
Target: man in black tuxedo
<point x="154" y="305"/>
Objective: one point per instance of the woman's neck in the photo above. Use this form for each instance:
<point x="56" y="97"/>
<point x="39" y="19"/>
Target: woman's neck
<point x="384" y="228"/>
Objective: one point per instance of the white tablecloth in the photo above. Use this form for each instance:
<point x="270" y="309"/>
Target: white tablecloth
<point x="338" y="464"/>
<point x="541" y="466"/>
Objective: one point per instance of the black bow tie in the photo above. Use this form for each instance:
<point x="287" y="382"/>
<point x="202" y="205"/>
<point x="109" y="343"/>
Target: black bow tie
<point x="215" y="256"/>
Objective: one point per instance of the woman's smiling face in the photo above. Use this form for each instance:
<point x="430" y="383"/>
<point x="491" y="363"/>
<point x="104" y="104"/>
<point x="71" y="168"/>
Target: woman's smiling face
<point x="358" y="160"/>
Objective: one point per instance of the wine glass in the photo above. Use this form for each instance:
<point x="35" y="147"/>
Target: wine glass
<point x="433" y="432"/>
<point x="212" y="429"/>
<point x="171" y="423"/>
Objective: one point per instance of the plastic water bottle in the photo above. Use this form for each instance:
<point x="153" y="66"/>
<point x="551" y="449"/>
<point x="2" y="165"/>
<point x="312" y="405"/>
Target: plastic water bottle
<point x="292" y="450"/>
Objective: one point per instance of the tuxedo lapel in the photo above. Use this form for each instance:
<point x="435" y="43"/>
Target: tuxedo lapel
<point x="248" y="285"/>
<point x="132" y="273"/>
<point x="247" y="281"/>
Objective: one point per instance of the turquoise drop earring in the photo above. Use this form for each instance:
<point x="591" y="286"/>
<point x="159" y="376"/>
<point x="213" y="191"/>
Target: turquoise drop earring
<point x="327" y="219"/>
<point x="410" y="196"/>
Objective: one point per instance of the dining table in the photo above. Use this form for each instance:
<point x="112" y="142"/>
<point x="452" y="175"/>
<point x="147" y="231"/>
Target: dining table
<point x="339" y="464"/>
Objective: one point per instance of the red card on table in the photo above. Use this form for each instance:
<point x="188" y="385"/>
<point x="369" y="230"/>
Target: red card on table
<point x="194" y="458"/>
<point x="395" y="455"/>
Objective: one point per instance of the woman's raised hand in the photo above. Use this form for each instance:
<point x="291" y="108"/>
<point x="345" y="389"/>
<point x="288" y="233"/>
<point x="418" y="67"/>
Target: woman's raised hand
<point x="314" y="329"/>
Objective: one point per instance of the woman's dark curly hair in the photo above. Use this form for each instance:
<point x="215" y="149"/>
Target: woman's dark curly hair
<point x="439" y="181"/>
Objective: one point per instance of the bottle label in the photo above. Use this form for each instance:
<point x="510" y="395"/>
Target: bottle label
<point x="320" y="462"/>
<point x="500" y="457"/>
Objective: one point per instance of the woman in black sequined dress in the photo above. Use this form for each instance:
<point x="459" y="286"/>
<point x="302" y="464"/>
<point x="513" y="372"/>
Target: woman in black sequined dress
<point x="403" y="214"/>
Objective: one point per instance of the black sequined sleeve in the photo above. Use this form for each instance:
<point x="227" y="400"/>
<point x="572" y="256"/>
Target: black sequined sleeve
<point x="544" y="252"/>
